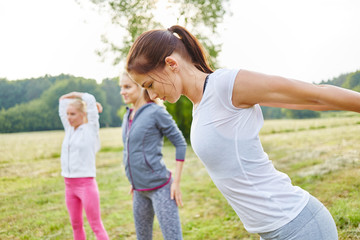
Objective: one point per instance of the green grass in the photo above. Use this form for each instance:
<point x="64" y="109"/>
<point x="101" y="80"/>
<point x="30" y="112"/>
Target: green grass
<point x="320" y="155"/>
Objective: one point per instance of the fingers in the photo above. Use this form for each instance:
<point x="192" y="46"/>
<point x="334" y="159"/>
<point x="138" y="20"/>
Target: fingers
<point x="172" y="193"/>
<point x="99" y="107"/>
<point x="175" y="193"/>
<point x="131" y="191"/>
<point x="179" y="200"/>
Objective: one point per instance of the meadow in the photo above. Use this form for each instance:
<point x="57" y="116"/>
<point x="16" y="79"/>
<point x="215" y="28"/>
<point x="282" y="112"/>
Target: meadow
<point x="320" y="155"/>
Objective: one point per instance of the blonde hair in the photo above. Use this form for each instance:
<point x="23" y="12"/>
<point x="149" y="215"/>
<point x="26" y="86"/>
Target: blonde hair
<point x="80" y="105"/>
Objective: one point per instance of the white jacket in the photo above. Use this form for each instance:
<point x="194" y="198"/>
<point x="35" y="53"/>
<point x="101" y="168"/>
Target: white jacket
<point x="80" y="146"/>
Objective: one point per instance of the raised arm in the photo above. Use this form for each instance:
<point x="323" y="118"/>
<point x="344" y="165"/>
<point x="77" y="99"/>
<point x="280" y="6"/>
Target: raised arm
<point x="92" y="109"/>
<point x="273" y="91"/>
<point x="71" y="95"/>
<point x="64" y="101"/>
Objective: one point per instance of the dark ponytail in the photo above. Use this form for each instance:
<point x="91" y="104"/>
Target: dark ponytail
<point x="193" y="47"/>
<point x="152" y="47"/>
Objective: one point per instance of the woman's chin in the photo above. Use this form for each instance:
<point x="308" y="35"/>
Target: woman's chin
<point x="172" y="100"/>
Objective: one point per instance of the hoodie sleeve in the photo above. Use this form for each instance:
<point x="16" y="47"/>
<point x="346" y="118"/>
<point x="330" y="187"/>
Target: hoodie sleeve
<point x="92" y="117"/>
<point x="63" y="103"/>
<point x="91" y="109"/>
<point x="168" y="127"/>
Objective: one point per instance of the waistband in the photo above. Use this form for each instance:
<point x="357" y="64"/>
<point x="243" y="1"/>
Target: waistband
<point x="78" y="181"/>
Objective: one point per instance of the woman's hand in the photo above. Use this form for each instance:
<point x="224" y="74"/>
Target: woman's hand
<point x="176" y="193"/>
<point x="131" y="192"/>
<point x="71" y="95"/>
<point x="99" y="107"/>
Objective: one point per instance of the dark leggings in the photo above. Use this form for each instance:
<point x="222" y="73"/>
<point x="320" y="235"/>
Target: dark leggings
<point x="146" y="204"/>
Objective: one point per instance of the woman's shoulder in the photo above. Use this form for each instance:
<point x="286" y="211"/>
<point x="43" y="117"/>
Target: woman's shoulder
<point x="152" y="106"/>
<point x="223" y="80"/>
<point x="157" y="112"/>
<point x="225" y="73"/>
<point x="151" y="110"/>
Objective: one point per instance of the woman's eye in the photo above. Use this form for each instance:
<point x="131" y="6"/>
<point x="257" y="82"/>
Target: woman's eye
<point x="150" y="85"/>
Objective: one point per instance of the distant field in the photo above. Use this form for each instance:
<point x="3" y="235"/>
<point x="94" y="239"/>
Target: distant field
<point x="320" y="155"/>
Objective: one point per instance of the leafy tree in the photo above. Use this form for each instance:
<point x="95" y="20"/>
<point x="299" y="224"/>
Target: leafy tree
<point x="133" y="17"/>
<point x="300" y="114"/>
<point x="113" y="99"/>
<point x="272" y="113"/>
<point x="42" y="113"/>
<point x="337" y="81"/>
<point x="21" y="91"/>
<point x="352" y="80"/>
<point x="182" y="114"/>
<point x="10" y="94"/>
<point x="51" y="97"/>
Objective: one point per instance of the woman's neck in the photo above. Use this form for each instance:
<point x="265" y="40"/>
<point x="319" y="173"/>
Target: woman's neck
<point x="138" y="104"/>
<point x="193" y="84"/>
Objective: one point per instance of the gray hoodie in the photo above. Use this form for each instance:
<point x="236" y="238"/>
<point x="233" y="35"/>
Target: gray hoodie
<point x="144" y="165"/>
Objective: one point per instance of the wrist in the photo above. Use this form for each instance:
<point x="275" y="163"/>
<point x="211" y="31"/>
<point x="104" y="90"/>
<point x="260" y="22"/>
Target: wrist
<point x="176" y="182"/>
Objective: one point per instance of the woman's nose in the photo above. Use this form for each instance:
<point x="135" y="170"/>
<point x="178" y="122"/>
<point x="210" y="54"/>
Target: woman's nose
<point x="152" y="95"/>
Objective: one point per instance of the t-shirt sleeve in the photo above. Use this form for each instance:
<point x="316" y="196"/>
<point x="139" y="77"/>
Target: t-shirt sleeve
<point x="224" y="85"/>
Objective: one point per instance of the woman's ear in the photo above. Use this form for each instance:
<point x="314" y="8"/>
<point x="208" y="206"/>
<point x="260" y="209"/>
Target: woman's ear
<point x="85" y="119"/>
<point x="171" y="62"/>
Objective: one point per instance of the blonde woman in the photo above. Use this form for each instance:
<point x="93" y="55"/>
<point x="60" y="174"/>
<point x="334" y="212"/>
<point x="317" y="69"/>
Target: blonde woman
<point x="155" y="190"/>
<point x="79" y="114"/>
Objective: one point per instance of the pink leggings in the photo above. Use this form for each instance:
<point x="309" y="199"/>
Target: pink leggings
<point x="79" y="193"/>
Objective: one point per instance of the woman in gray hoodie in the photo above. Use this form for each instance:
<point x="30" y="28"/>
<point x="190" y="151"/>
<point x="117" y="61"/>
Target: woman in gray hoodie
<point x="154" y="189"/>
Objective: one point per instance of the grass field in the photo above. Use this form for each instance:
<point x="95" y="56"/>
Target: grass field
<point x="320" y="155"/>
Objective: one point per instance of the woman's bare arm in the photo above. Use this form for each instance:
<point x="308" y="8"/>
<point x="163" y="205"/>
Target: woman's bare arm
<point x="255" y="88"/>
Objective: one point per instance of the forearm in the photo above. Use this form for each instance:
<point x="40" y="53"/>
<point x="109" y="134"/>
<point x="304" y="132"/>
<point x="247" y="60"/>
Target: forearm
<point x="63" y="103"/>
<point x="178" y="171"/>
<point x="339" y="98"/>
<point x="92" y="108"/>
<point x="251" y="88"/>
<point x="71" y="95"/>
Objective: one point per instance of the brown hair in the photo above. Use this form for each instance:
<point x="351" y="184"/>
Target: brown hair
<point x="152" y="47"/>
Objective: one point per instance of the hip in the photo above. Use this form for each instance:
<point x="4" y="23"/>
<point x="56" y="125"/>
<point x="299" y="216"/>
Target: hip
<point x="313" y="222"/>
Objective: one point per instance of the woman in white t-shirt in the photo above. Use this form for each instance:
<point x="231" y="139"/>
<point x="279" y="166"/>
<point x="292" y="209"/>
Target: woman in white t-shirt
<point x="79" y="114"/>
<point x="226" y="122"/>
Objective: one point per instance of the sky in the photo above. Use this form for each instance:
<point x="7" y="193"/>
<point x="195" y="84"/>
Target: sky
<point x="308" y="40"/>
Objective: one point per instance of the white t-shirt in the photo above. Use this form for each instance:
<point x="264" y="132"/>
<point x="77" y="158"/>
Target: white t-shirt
<point x="226" y="139"/>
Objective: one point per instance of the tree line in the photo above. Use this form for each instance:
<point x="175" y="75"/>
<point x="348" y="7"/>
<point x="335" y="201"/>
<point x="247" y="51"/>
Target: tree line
<point x="348" y="80"/>
<point x="32" y="104"/>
